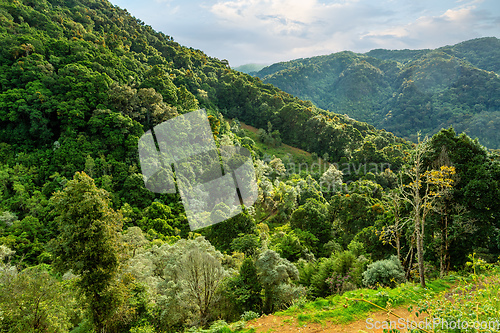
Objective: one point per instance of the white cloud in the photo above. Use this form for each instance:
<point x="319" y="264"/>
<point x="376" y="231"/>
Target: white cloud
<point x="288" y="29"/>
<point x="265" y="31"/>
<point x="452" y="26"/>
<point x="282" y="17"/>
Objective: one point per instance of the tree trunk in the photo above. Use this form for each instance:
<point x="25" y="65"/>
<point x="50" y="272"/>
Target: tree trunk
<point x="398" y="244"/>
<point x="446" y="247"/>
<point x="419" y="230"/>
<point x="408" y="262"/>
<point x="398" y="236"/>
<point x="443" y="260"/>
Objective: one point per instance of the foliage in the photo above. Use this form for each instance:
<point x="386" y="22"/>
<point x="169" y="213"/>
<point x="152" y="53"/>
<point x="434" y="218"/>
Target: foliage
<point x="426" y="187"/>
<point x="88" y="243"/>
<point x="33" y="300"/>
<point x="82" y="81"/>
<point x="471" y="307"/>
<point x="275" y="275"/>
<point x="249" y="315"/>
<point x="350" y="306"/>
<point x="387" y="272"/>
<point x="449" y="86"/>
<point x="190" y="279"/>
<point x="245" y="289"/>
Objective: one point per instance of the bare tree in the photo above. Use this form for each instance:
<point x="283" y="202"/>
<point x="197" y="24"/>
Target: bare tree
<point x="422" y="192"/>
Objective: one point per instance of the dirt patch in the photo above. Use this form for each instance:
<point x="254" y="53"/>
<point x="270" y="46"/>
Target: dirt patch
<point x="248" y="127"/>
<point x="289" y="324"/>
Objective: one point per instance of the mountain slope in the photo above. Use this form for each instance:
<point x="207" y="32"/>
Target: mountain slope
<point x="404" y="91"/>
<point x="71" y="68"/>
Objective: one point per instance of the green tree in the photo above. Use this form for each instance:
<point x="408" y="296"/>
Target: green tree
<point x="313" y="216"/>
<point x="191" y="276"/>
<point x="275" y="275"/>
<point x="245" y="288"/>
<point x="331" y="179"/>
<point x="88" y="244"/>
<point x="35" y="301"/>
<point x="222" y="234"/>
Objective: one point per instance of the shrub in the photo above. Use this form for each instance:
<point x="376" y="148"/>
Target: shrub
<point x="339" y="264"/>
<point x="332" y="247"/>
<point x="324" y="270"/>
<point x="360" y="265"/>
<point x="249" y="315"/>
<point x="386" y="272"/>
<point x="219" y="326"/>
<point x="357" y="248"/>
<point x="142" y="329"/>
<point x="288" y="294"/>
<point x="339" y="283"/>
<point x="343" y="262"/>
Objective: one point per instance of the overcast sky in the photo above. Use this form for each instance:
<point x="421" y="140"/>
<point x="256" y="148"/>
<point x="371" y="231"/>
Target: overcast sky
<point x="268" y="31"/>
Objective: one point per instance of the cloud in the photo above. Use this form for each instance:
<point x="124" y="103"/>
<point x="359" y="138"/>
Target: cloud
<point x="296" y="28"/>
<point x="266" y="31"/>
<point x="454" y="25"/>
<point x="297" y="18"/>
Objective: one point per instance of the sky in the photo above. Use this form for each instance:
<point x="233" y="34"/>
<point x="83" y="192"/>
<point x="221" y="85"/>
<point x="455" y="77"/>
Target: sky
<point x="269" y="31"/>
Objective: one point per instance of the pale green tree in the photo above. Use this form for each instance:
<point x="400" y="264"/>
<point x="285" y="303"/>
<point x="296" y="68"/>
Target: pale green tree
<point x="275" y="275"/>
<point x="183" y="279"/>
<point x="33" y="300"/>
<point x="331" y="179"/>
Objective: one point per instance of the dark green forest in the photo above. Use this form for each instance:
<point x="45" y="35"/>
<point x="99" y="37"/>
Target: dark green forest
<point x="404" y="91"/>
<point x="85" y="247"/>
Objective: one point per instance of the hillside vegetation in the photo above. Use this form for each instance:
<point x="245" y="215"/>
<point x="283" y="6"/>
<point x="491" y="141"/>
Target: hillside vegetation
<point x="404" y="91"/>
<point x="86" y="247"/>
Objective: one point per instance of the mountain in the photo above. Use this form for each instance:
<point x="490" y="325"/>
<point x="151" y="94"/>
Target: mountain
<point x="86" y="247"/>
<point x="89" y="71"/>
<point x="404" y="91"/>
<point x="250" y="68"/>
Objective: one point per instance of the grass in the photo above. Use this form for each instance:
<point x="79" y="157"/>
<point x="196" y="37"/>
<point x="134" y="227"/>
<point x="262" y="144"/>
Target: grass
<point x="352" y="306"/>
<point x="297" y="154"/>
<point x="473" y="298"/>
<point x="300" y="160"/>
<point x="475" y="302"/>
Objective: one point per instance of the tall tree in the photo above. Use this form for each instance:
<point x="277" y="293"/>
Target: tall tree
<point x="245" y="288"/>
<point x="191" y="272"/>
<point x="34" y="301"/>
<point x="88" y="243"/>
<point x="422" y="192"/>
<point x="275" y="273"/>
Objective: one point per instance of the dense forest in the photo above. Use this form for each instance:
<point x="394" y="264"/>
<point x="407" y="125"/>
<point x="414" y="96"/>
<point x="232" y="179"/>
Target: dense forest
<point x="404" y="91"/>
<point x="86" y="247"/>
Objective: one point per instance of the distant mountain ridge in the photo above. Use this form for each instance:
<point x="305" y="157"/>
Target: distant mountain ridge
<point x="250" y="68"/>
<point x="404" y="91"/>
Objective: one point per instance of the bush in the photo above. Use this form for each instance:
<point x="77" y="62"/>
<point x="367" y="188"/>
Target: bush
<point x="360" y="265"/>
<point x="324" y="270"/>
<point x="339" y="264"/>
<point x="288" y="294"/>
<point x="219" y="326"/>
<point x="386" y="272"/>
<point x="142" y="329"/>
<point x="357" y="248"/>
<point x="249" y="315"/>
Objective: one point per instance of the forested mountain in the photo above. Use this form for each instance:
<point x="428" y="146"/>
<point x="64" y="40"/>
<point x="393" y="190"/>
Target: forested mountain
<point x="86" y="247"/>
<point x="404" y="91"/>
<point x="250" y="68"/>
